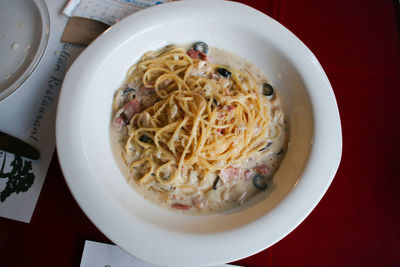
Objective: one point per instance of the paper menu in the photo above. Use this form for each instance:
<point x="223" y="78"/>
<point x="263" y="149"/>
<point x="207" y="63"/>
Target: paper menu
<point x="29" y="114"/>
<point x="105" y="255"/>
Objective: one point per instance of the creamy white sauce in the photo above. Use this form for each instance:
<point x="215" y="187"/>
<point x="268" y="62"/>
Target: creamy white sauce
<point x="230" y="190"/>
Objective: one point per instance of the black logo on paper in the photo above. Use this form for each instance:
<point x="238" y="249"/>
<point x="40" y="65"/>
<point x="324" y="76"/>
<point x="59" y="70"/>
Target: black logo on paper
<point x="20" y="178"/>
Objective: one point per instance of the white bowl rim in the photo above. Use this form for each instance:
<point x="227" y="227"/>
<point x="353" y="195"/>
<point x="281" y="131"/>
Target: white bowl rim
<point x="301" y="200"/>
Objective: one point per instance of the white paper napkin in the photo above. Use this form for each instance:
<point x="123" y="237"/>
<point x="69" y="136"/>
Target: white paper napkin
<point x="107" y="11"/>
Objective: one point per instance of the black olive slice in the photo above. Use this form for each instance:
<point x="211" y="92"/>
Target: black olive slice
<point x="201" y="47"/>
<point x="280" y="152"/>
<point x="127" y="90"/>
<point x="268" y="90"/>
<point x="144" y="138"/>
<point x="259" y="183"/>
<point x="215" y="184"/>
<point x="224" y="72"/>
<point x="264" y="148"/>
<point x="215" y="101"/>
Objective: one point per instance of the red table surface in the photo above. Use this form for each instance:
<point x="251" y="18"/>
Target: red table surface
<point x="357" y="223"/>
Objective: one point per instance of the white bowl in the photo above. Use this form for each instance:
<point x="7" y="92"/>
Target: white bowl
<point x="163" y="237"/>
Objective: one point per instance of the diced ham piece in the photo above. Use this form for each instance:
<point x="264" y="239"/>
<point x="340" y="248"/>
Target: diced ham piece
<point x="196" y="54"/>
<point x="124" y="114"/>
<point x="131" y="108"/>
<point x="180" y="206"/>
<point x="228" y="174"/>
<point x="247" y="175"/>
<point x="192" y="53"/>
<point x="262" y="169"/>
<point x="118" y="123"/>
<point x="230" y="107"/>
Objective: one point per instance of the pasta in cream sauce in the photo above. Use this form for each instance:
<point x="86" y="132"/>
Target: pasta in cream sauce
<point x="197" y="130"/>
